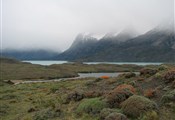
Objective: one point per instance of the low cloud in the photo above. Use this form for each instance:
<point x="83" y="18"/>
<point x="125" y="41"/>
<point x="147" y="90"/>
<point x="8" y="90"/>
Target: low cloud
<point x="53" y="24"/>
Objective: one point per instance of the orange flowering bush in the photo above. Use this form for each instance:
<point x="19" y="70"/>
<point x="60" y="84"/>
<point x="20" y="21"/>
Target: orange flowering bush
<point x="105" y="77"/>
<point x="119" y="94"/>
<point x="149" y="93"/>
<point x="125" y="87"/>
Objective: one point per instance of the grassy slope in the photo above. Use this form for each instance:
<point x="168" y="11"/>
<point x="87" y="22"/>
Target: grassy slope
<point x="13" y="69"/>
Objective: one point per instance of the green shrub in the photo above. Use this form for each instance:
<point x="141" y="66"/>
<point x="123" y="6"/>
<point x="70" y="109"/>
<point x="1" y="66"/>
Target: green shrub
<point x="119" y="94"/>
<point x="46" y="114"/>
<point x="150" y="115"/>
<point x="74" y="96"/>
<point x="54" y="89"/>
<point x="9" y="96"/>
<point x="136" y="105"/>
<point x="116" y="116"/>
<point x="148" y="72"/>
<point x="3" y="109"/>
<point x="91" y="106"/>
<point x="169" y="76"/>
<point x="168" y="97"/>
<point x="106" y="111"/>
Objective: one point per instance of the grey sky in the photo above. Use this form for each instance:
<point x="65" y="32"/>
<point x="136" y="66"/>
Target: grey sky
<point x="53" y="24"/>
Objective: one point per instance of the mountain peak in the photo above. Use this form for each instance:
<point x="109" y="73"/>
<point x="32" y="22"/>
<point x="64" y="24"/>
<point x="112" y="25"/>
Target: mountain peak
<point x="126" y="34"/>
<point x="83" y="39"/>
<point x="167" y="28"/>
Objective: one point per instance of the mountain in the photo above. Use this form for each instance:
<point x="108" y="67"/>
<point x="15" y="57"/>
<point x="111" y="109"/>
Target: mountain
<point x="30" y="54"/>
<point x="157" y="45"/>
<point x="80" y="48"/>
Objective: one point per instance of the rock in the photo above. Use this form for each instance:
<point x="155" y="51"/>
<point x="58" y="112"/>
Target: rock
<point x="137" y="105"/>
<point x="116" y="116"/>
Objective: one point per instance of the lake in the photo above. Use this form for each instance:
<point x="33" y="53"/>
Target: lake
<point x="85" y="75"/>
<point x="50" y="62"/>
<point x="44" y="62"/>
<point x="81" y="75"/>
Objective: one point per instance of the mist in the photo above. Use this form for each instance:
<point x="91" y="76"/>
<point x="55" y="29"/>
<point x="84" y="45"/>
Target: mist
<point x="54" y="24"/>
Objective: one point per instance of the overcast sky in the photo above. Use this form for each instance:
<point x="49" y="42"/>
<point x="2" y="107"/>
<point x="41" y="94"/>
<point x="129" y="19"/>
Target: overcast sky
<point x="54" y="24"/>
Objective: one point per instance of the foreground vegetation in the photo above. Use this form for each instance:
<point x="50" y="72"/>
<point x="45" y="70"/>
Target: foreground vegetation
<point x="147" y="96"/>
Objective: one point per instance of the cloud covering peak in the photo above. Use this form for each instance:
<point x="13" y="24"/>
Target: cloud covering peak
<point x="53" y="24"/>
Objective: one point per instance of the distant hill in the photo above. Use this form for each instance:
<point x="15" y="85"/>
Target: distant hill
<point x="30" y="54"/>
<point x="8" y="60"/>
<point x="157" y="45"/>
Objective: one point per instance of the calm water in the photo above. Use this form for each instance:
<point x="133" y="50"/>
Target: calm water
<point x="42" y="62"/>
<point x="122" y="63"/>
<point x="84" y="75"/>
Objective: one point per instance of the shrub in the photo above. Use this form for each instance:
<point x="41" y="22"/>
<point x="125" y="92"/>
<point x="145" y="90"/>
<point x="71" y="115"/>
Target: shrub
<point x="173" y="84"/>
<point x="98" y="79"/>
<point x="3" y="109"/>
<point x="136" y="105"/>
<point x="46" y="114"/>
<point x="92" y="94"/>
<point x="140" y="79"/>
<point x="125" y="87"/>
<point x="106" y="111"/>
<point x="105" y="77"/>
<point x="74" y="96"/>
<point x="91" y="106"/>
<point x="148" y="71"/>
<point x="149" y="93"/>
<point x="162" y="67"/>
<point x="169" y="76"/>
<point x="54" y="89"/>
<point x="129" y="75"/>
<point x="9" y="96"/>
<point x="150" y="115"/>
<point x="115" y="97"/>
<point x="168" y="97"/>
<point x="116" y="116"/>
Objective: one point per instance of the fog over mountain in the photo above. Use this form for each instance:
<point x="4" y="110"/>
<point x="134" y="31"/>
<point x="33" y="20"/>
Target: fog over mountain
<point x="54" y="24"/>
<point x="157" y="45"/>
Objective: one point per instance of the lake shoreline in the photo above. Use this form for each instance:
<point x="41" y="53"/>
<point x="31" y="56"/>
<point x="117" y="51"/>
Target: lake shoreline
<point x="51" y="62"/>
<point x="81" y="76"/>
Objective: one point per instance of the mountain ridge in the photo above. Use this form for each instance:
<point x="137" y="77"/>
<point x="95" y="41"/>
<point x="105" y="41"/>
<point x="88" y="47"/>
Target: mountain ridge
<point x="155" y="45"/>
